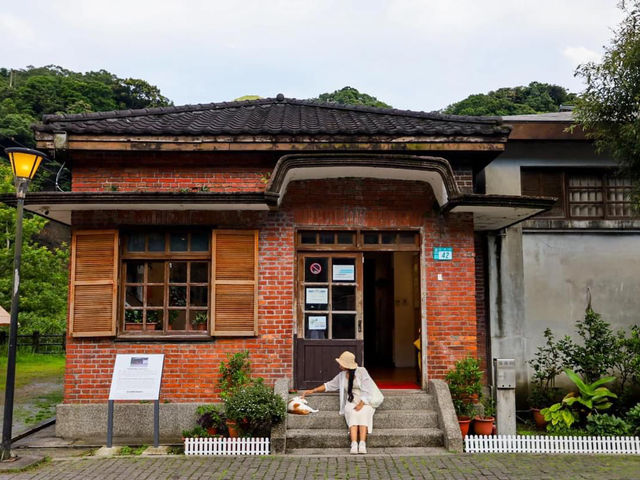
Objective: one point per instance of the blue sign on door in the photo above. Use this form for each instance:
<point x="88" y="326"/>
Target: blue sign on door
<point x="442" y="253"/>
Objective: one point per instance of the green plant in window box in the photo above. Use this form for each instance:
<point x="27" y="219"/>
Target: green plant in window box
<point x="133" y="320"/>
<point x="199" y="321"/>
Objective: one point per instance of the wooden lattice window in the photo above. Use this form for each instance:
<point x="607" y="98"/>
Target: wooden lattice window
<point x="165" y="286"/>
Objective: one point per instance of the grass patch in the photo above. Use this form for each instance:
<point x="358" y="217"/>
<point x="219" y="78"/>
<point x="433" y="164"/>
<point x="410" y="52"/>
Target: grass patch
<point x="126" y="450"/>
<point x="31" y="367"/>
<point x="46" y="405"/>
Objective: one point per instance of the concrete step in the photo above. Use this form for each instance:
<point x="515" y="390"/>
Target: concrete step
<point x="380" y="438"/>
<point x="381" y="419"/>
<point x="371" y="452"/>
<point x="393" y="400"/>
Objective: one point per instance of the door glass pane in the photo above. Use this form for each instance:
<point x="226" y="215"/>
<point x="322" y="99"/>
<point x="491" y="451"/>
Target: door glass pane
<point x="155" y="296"/>
<point x="178" y="272"/>
<point x="177" y="296"/>
<point x="388" y="238"/>
<point x="199" y="242"/>
<point x="343" y="298"/>
<point x="327" y="238"/>
<point x="346" y="238"/>
<point x="134" y="296"/>
<point x="199" y="272"/>
<point x="407" y="238"/>
<point x="177" y="320"/>
<point x="344" y="325"/>
<point x="135" y="272"/>
<point x="156" y="272"/>
<point x="316" y="326"/>
<point x="343" y="270"/>
<point x="370" y="238"/>
<point x="135" y="242"/>
<point x="315" y="269"/>
<point x="156" y="242"/>
<point x="179" y="242"/>
<point x="316" y="298"/>
<point x="308" y="237"/>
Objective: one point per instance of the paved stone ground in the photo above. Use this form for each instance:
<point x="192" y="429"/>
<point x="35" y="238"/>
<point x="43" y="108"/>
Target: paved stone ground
<point x="464" y="467"/>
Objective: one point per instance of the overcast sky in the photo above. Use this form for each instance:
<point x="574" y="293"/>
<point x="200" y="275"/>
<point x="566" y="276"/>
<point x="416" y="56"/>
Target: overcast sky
<point x="414" y="54"/>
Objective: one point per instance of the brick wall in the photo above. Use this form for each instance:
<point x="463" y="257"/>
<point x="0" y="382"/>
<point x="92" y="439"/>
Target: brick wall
<point x="464" y="179"/>
<point x="191" y="368"/>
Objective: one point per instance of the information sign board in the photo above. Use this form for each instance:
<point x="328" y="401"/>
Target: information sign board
<point x="136" y="377"/>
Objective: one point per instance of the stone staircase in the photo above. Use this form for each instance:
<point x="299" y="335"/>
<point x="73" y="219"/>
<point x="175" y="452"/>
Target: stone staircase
<point x="407" y="421"/>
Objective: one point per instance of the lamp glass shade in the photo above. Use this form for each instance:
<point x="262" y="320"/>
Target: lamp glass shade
<point x="24" y="161"/>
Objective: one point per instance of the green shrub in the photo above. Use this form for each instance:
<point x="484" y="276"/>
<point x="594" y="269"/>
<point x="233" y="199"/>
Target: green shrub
<point x="256" y="408"/>
<point x="604" y="424"/>
<point x="633" y="417"/>
<point x="547" y="364"/>
<point x="576" y="407"/>
<point x="465" y="384"/>
<point x="234" y="374"/>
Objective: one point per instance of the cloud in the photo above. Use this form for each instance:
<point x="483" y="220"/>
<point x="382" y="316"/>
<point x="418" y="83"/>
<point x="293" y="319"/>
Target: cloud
<point x="580" y="55"/>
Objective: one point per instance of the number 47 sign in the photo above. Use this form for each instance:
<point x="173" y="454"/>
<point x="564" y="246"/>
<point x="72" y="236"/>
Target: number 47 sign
<point x="442" y="253"/>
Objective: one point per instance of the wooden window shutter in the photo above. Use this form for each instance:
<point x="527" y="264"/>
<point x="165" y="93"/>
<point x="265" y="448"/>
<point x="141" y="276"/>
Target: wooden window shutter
<point x="545" y="183"/>
<point x="94" y="285"/>
<point x="234" y="283"/>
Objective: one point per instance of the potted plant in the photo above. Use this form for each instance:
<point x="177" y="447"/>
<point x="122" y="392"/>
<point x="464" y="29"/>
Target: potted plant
<point x="234" y="374"/>
<point x="256" y="408"/>
<point x="483" y="424"/>
<point x="465" y="387"/>
<point x="133" y="320"/>
<point x="547" y="364"/>
<point x="199" y="321"/>
<point x="212" y="418"/>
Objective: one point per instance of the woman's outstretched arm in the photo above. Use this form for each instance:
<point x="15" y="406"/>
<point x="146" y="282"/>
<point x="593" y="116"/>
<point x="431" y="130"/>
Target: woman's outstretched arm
<point x="318" y="389"/>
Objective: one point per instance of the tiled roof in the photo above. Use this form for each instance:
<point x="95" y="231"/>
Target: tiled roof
<point x="272" y="116"/>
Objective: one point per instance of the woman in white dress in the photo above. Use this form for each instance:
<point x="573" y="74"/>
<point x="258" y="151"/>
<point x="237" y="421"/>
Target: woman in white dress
<point x="359" y="398"/>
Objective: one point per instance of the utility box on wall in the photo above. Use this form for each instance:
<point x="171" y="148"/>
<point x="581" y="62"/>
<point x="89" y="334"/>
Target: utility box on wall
<point x="504" y="374"/>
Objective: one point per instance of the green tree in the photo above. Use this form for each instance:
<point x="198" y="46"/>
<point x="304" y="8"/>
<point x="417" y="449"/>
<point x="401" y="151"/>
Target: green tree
<point x="608" y="108"/>
<point x="351" y="96"/>
<point x="44" y="277"/>
<point x="534" y="98"/>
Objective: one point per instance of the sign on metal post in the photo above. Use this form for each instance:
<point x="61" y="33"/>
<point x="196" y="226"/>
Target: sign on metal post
<point x="136" y="377"/>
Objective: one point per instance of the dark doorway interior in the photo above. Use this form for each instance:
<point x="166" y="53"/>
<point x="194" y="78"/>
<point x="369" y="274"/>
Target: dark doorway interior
<point x="391" y="318"/>
<point x="378" y="310"/>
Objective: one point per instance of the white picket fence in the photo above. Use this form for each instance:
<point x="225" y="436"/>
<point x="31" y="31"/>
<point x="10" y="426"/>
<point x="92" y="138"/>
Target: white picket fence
<point x="549" y="444"/>
<point x="226" y="446"/>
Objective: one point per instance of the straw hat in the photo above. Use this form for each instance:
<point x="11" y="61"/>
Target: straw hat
<point x="347" y="360"/>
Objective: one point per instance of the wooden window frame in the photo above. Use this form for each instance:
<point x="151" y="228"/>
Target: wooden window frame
<point x="566" y="174"/>
<point x="166" y="257"/>
<point x="359" y="245"/>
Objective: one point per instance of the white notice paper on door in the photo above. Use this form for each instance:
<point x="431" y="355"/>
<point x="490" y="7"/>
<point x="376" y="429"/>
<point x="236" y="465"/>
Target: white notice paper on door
<point x="344" y="273"/>
<point x="317" y="296"/>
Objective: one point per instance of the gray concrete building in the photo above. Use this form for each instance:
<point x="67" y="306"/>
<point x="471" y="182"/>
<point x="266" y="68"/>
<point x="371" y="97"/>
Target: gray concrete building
<point x="539" y="271"/>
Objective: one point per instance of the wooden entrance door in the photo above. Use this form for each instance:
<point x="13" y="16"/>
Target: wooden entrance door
<point x="329" y="314"/>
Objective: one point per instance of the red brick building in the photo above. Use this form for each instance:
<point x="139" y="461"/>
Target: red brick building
<point x="289" y="228"/>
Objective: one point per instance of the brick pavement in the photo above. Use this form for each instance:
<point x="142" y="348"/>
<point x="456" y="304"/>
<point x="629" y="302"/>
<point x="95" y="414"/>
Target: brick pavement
<point x="453" y="467"/>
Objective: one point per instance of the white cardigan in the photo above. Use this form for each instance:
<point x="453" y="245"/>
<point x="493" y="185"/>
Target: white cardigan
<point x="369" y="392"/>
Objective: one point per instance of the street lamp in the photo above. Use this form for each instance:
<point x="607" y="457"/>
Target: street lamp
<point x="24" y="163"/>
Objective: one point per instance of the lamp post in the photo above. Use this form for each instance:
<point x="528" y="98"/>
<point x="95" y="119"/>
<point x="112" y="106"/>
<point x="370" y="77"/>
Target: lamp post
<point x="24" y="163"/>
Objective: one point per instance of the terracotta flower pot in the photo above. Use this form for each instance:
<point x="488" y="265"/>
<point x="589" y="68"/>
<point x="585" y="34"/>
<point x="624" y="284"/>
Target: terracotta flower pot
<point x="212" y="431"/>
<point x="232" y="427"/>
<point x="483" y="425"/>
<point x="464" y="423"/>
<point x="538" y="418"/>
